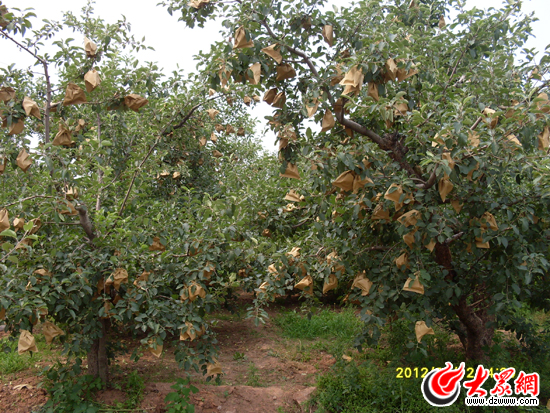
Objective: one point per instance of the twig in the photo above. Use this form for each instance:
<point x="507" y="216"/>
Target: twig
<point x="375" y="248"/>
<point x="28" y="199"/>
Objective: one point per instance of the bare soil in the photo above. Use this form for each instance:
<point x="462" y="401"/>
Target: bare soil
<point x="262" y="372"/>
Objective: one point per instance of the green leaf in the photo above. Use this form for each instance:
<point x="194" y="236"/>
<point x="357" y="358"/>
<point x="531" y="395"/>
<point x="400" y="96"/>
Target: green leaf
<point x="8" y="233"/>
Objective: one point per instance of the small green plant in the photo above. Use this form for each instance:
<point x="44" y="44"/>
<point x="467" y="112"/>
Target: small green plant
<point x="239" y="356"/>
<point x="179" y="400"/>
<point x="253" y="379"/>
<point x="69" y="391"/>
<point x="134" y="390"/>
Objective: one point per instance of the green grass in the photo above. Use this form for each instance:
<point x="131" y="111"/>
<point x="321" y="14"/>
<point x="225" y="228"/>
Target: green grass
<point x="343" y="325"/>
<point x="11" y="362"/>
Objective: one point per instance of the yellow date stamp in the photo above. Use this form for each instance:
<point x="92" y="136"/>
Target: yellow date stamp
<point x="420" y="372"/>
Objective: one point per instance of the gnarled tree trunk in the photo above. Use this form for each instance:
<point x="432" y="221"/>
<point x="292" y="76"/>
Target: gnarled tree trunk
<point x="98" y="365"/>
<point x="473" y="332"/>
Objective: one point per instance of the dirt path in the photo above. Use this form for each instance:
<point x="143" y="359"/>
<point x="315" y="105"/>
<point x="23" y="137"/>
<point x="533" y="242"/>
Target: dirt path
<point x="263" y="372"/>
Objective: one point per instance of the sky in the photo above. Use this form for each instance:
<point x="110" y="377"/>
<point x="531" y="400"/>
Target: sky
<point x="157" y="26"/>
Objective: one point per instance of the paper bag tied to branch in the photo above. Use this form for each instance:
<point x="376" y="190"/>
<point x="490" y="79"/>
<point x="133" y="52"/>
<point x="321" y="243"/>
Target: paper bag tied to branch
<point x="190" y="332"/>
<point x="285" y="71"/>
<point x="213" y="369"/>
<point x="26" y="342"/>
<point x="363" y="283"/>
<point x="421" y="329"/>
<point x="306" y="285"/>
<point x="4" y="219"/>
<point x="331" y="284"/>
<point x="269" y="96"/>
<point x="279" y="101"/>
<point x="445" y="186"/>
<point x="157" y="245"/>
<point x="293" y="196"/>
<point x="74" y="95"/>
<point x="414" y="285"/>
<point x="90" y="47"/>
<point x="240" y="39"/>
<point x="31" y="108"/>
<point x="92" y="80"/>
<point x="544" y="139"/>
<point x="17" y="126"/>
<point x="135" y="102"/>
<point x="273" y="53"/>
<point x="117" y="278"/>
<point x="63" y="137"/>
<point x="328" y="34"/>
<point x="328" y="121"/>
<point x="51" y="331"/>
<point x="291" y="171"/>
<point x="212" y="113"/>
<point x="353" y="81"/>
<point x="23" y="160"/>
<point x="7" y="94"/>
<point x="256" y="70"/>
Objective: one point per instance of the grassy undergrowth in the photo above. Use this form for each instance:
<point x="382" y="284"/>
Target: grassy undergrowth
<point x="375" y="380"/>
<point x="11" y="362"/>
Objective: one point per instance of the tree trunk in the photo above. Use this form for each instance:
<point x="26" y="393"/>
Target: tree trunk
<point x="478" y="335"/>
<point x="473" y="331"/>
<point x="98" y="365"/>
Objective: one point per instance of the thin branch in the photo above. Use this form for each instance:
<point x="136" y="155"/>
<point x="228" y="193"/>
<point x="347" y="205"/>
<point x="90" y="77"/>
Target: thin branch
<point x="23" y="238"/>
<point x="375" y="248"/>
<point x="28" y="199"/>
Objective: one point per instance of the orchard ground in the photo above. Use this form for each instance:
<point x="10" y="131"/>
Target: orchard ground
<point x="293" y="363"/>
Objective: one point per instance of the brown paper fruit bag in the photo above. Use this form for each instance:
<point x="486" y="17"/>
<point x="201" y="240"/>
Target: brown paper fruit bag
<point x="212" y="113"/>
<point x="17" y="127"/>
<point x="414" y="285"/>
<point x="144" y="277"/>
<point x="409" y="238"/>
<point x="279" y="101"/>
<point x="214" y="369"/>
<point x="91" y="80"/>
<point x="155" y="348"/>
<point x="445" y="187"/>
<point x="293" y="196"/>
<point x="544" y="139"/>
<point x="256" y="70"/>
<point x="391" y="70"/>
<point x="490" y="118"/>
<point x="117" y="278"/>
<point x="4" y="219"/>
<point x="26" y="343"/>
<point x="90" y="47"/>
<point x="291" y="171"/>
<point x="331" y="284"/>
<point x="74" y="95"/>
<point x="31" y="108"/>
<point x="63" y="137"/>
<point x="328" y="121"/>
<point x="305" y="284"/>
<point x="240" y="39"/>
<point x="285" y="71"/>
<point x="189" y="332"/>
<point x="402" y="261"/>
<point x="373" y="91"/>
<point x="217" y="154"/>
<point x="273" y="53"/>
<point x="421" y="329"/>
<point x="269" y="96"/>
<point x="328" y="34"/>
<point x="135" y="102"/>
<point x="51" y="331"/>
<point x="363" y="283"/>
<point x="353" y="81"/>
<point x="7" y="94"/>
<point x="195" y="291"/>
<point x="157" y="245"/>
<point x="18" y="224"/>
<point x="23" y="160"/>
